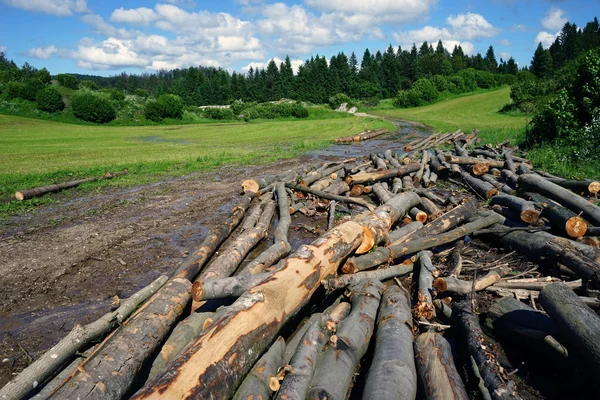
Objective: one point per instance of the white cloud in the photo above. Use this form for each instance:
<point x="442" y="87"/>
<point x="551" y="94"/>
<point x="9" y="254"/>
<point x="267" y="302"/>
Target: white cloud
<point x="109" y="54"/>
<point x="505" y="55"/>
<point x="59" y="8"/>
<point x="263" y="65"/>
<point x="396" y="11"/>
<point x="471" y="26"/>
<point x="43" y="53"/>
<point x="546" y="38"/>
<point x="504" y="42"/>
<point x="134" y="16"/>
<point x="103" y="28"/>
<point x="554" y="19"/>
<point x="518" y="28"/>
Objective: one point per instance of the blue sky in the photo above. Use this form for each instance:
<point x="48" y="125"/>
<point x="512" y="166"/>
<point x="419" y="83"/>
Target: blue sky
<point x="107" y="37"/>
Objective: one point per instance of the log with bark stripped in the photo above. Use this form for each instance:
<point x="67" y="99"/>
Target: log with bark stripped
<point x="455" y="285"/>
<point x="371" y="177"/>
<point x="380" y="274"/>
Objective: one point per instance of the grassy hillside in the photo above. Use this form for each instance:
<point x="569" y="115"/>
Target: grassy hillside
<point x="36" y="152"/>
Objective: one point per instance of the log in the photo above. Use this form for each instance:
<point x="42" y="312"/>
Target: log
<point x="393" y="374"/>
<point x="78" y="339"/>
<point x="329" y="196"/>
<point x="430" y="208"/>
<point x="563" y="196"/>
<point x="397" y="186"/>
<point x="499" y="387"/>
<point x="456" y="258"/>
<point x="388" y="254"/>
<point x="335" y="368"/>
<point x="192" y="265"/>
<point x="233" y="286"/>
<point x="419" y="175"/>
<point x="526" y="210"/>
<point x="562" y="219"/>
<point x="455" y="285"/>
<point x="371" y="177"/>
<point x="377" y="162"/>
<point x="408" y="183"/>
<point x="509" y="163"/>
<point x="399" y="233"/>
<point x="437" y="370"/>
<point x="587" y="186"/>
<point x="462" y="160"/>
<point x="492" y="181"/>
<point x="518" y="284"/>
<point x="418" y="215"/>
<point x="579" y="323"/>
<point x="221" y="356"/>
<point x="326" y="173"/>
<point x="486" y="153"/>
<point x="425" y="308"/>
<point x="185" y="331"/>
<point x="331" y="219"/>
<point x="432" y="196"/>
<point x="484" y="189"/>
<point x="436" y="166"/>
<point x="382" y="193"/>
<point x="27" y="194"/>
<point x="111" y="370"/>
<point x="390" y="157"/>
<point x="322" y="184"/>
<point x="282" y="246"/>
<point x="380" y="274"/>
<point x="481" y="168"/>
<point x="510" y="177"/>
<point x="258" y="383"/>
<point x="337" y="188"/>
<point x="259" y="184"/>
<point x="252" y="215"/>
<point x="523" y="169"/>
<point x="296" y="383"/>
<point x="458" y="149"/>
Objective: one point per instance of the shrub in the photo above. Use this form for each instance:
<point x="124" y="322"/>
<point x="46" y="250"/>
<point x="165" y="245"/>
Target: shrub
<point x="43" y="75"/>
<point x="14" y="90"/>
<point x="371" y="101"/>
<point x="93" y="107"/>
<point x="49" y="99"/>
<point x="172" y="106"/>
<point x="469" y="77"/>
<point x="141" y="93"/>
<point x="407" y="98"/>
<point x="426" y="90"/>
<point x="237" y="106"/>
<point x="219" y="113"/>
<point x="31" y="88"/>
<point x="440" y="82"/>
<point x="89" y="84"/>
<point x="154" y="111"/>
<point x="337" y="100"/>
<point x="485" y="79"/>
<point x="505" y="79"/>
<point x="456" y="84"/>
<point x="116" y="95"/>
<point x="272" y="111"/>
<point x="68" y="81"/>
<point x="298" y="111"/>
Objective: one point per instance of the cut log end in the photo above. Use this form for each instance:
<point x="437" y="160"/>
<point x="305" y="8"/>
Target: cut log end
<point x="440" y="284"/>
<point x="19" y="196"/>
<point x="197" y="291"/>
<point x="274" y="383"/>
<point x="250" y="185"/>
<point x="481" y="169"/>
<point x="421" y="217"/>
<point x="530" y="216"/>
<point x="594" y="187"/>
<point x="491" y="193"/>
<point x="368" y="241"/>
<point x="576" y="227"/>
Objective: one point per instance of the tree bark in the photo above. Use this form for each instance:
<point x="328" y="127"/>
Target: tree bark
<point x="564" y="196"/>
<point x="526" y="210"/>
<point x="259" y="184"/>
<point x="252" y="215"/>
<point x="436" y="368"/>
<point x="430" y="208"/>
<point x="578" y="322"/>
<point x="337" y="188"/>
<point x="78" y="339"/>
<point x="484" y="189"/>
<point x="510" y="177"/>
<point x="329" y="196"/>
<point x="425" y="306"/>
<point x="371" y="177"/>
<point x="388" y="156"/>
<point x="509" y="163"/>
<point x="562" y="219"/>
<point x="296" y="383"/>
<point x="456" y="258"/>
<point x="220" y="288"/>
<point x="455" y="285"/>
<point x="418" y="215"/>
<point x="110" y="371"/>
<point x="397" y="185"/>
<point x="402" y="232"/>
<point x="258" y="384"/>
<point x="492" y="181"/>
<point x="393" y="375"/>
<point x="419" y="175"/>
<point x="335" y="368"/>
<point x="380" y="274"/>
<point x="587" y="187"/>
<point x="377" y="162"/>
<point x="515" y="284"/>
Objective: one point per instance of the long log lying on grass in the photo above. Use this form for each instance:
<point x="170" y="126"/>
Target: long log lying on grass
<point x="296" y="383"/>
<point x="563" y="196"/>
<point x="388" y="254"/>
<point x="329" y="196"/>
<point x="371" y="177"/>
<point x="437" y="369"/>
<point x="27" y="194"/>
<point x="561" y="218"/>
<point x="220" y="357"/>
<point x="499" y="387"/>
<point x="78" y="339"/>
<point x="579" y="323"/>
<point x="335" y="367"/>
<point x="455" y="285"/>
<point x="258" y="383"/>
<point x="192" y="265"/>
<point x="361" y="136"/>
<point x="526" y="210"/>
<point x="380" y="274"/>
<point x="110" y="371"/>
<point x="392" y="374"/>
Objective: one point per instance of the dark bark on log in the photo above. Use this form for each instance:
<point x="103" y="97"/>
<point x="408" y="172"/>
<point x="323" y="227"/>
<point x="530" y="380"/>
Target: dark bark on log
<point x="483" y="189"/>
<point x="436" y="166"/>
<point x="27" y="194"/>
<point x="526" y="210"/>
<point x="432" y="196"/>
<point x="456" y="259"/>
<point x="455" y="285"/>
<point x="337" y="188"/>
<point x="562" y="219"/>
<point x="579" y="323"/>
<point x="418" y="215"/>
<point x="486" y="153"/>
<point x="492" y="181"/>
<point x="217" y="235"/>
<point x="430" y="208"/>
<point x="436" y="368"/>
<point x="523" y="169"/>
<point x="330" y="196"/>
<point x="296" y="383"/>
<point x="257" y="384"/>
<point x="499" y="387"/>
<point x="380" y="274"/>
<point x="185" y="331"/>
<point x="593" y="231"/>
<point x="110" y="371"/>
<point x="509" y="163"/>
<point x="587" y="187"/>
<point x="388" y="254"/>
<point x="335" y="368"/>
<point x="79" y="338"/>
<point x="393" y="374"/>
<point x="397" y="234"/>
<point x="419" y="175"/>
<point x="458" y="149"/>
<point x="564" y="196"/>
<point x="510" y="177"/>
<point x="372" y="177"/>
<point x="425" y="308"/>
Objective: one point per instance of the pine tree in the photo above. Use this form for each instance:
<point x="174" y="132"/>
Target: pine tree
<point x="490" y="60"/>
<point x="541" y="63"/>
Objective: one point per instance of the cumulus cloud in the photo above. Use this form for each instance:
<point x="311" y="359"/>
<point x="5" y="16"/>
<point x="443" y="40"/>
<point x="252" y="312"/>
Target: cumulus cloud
<point x="546" y="38"/>
<point x="504" y="42"/>
<point x="108" y="54"/>
<point x="397" y="11"/>
<point x="505" y="55"/>
<point x="135" y="16"/>
<point x="61" y="8"/>
<point x="263" y="65"/>
<point x="554" y="19"/>
<point x="471" y="26"/>
<point x="42" y="53"/>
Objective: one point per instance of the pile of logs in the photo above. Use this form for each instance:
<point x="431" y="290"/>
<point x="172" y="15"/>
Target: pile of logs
<point x="423" y="251"/>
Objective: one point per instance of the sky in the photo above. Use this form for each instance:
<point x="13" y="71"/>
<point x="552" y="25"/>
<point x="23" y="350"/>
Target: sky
<point x="110" y="36"/>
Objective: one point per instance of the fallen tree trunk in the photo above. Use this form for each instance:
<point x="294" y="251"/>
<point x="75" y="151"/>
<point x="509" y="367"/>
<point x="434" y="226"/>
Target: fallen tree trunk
<point x="252" y="215"/>
<point x="587" y="187"/>
<point x="388" y="156"/>
<point x="377" y="162"/>
<point x="456" y="259"/>
<point x="328" y="172"/>
<point x="526" y="210"/>
<point x="371" y="177"/>
<point x="492" y="181"/>
<point x="437" y="370"/>
<point x="27" y="194"/>
<point x="259" y="184"/>
<point x="329" y="196"/>
<point x="220" y="288"/>
<point x="258" y="383"/>
<point x="397" y="185"/>
<point x="419" y="175"/>
<point x="430" y="208"/>
<point x="296" y="383"/>
<point x="380" y="274"/>
<point x="563" y="196"/>
<point x="110" y="371"/>
<point x="390" y="253"/>
<point x="515" y="284"/>
<point x="462" y="160"/>
<point x="455" y="285"/>
<point x="402" y="232"/>
<point x="418" y="215"/>
<point x="78" y="339"/>
<point x="220" y="357"/>
<point x="337" y="188"/>
<point x="335" y="368"/>
<point x="561" y="218"/>
<point x="484" y="189"/>
<point x="392" y="374"/>
<point x="577" y="321"/>
<point x="361" y="136"/>
<point x="425" y="308"/>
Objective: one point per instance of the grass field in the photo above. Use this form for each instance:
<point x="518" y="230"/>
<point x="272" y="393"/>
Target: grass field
<point x="36" y="152"/>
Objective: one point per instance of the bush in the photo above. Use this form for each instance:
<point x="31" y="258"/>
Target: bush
<point x="272" y="111"/>
<point x="93" y="107"/>
<point x="505" y="79"/>
<point x="237" y="106"/>
<point x="456" y="84"/>
<point x="298" y="111"/>
<point x="31" y="88"/>
<point x="43" y="75"/>
<point x="49" y="99"/>
<point x="485" y="79"/>
<point x="116" y="95"/>
<point x="440" y="82"/>
<point x="154" y="111"/>
<point x="172" y="106"/>
<point x="426" y="90"/>
<point x="339" y="99"/>
<point x="141" y="93"/>
<point x="89" y="84"/>
<point x="371" y="101"/>
<point x="68" y="81"/>
<point x="14" y="90"/>
<point x="469" y="77"/>
<point x="408" y="98"/>
<point x="218" y="113"/>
